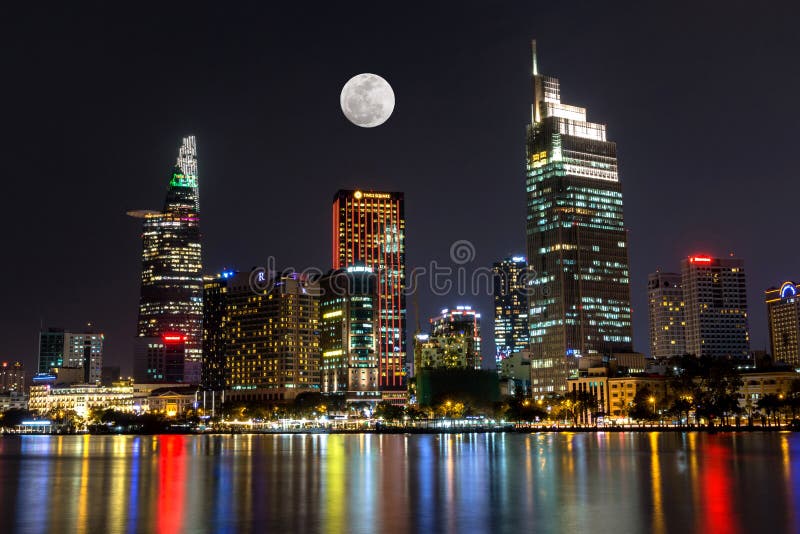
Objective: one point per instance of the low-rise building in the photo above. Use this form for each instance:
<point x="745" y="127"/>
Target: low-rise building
<point x="80" y="398"/>
<point x="757" y="384"/>
<point x="13" y="400"/>
<point x="171" y="401"/>
<point x="515" y="373"/>
<point x="614" y="395"/>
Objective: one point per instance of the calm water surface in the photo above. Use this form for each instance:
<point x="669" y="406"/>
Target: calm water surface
<point x="617" y="483"/>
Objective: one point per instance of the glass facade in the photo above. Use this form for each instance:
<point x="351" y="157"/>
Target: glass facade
<point x="510" y="308"/>
<point x="369" y="230"/>
<point x="51" y="350"/>
<point x="215" y="330"/>
<point x="171" y="284"/>
<point x="348" y="325"/>
<point x="579" y="300"/>
<point x="79" y="350"/>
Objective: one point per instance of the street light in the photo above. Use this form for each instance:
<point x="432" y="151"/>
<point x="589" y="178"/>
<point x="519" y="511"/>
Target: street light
<point x="653" y="400"/>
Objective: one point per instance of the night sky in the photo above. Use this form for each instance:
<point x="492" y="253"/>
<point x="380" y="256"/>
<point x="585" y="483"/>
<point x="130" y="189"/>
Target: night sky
<point x="702" y="102"/>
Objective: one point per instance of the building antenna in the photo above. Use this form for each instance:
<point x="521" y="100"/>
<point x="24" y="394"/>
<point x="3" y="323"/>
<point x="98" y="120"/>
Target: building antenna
<point x="535" y="64"/>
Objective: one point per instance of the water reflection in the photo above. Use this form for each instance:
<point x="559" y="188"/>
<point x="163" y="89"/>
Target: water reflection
<point x="657" y="482"/>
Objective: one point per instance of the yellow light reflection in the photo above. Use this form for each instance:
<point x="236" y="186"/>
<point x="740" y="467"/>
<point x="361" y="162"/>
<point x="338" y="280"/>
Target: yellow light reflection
<point x="655" y="478"/>
<point x="83" y="501"/>
<point x="335" y="480"/>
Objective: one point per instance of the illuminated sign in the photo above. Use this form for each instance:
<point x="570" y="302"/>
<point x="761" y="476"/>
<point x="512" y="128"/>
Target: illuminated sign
<point x="183" y="180"/>
<point x="788" y="290"/>
<point x="359" y="269"/>
<point x="359" y="194"/>
<point x="328" y="315"/>
<point x="174" y="338"/>
<point x="699" y="259"/>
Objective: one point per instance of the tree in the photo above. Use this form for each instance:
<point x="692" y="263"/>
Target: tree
<point x="792" y="400"/>
<point x="14" y="417"/>
<point x="680" y="408"/>
<point x="415" y="412"/>
<point x="389" y="411"/>
<point x="523" y="409"/>
<point x="451" y="409"/>
<point x="770" y="404"/>
<point x="644" y="405"/>
<point x="578" y="405"/>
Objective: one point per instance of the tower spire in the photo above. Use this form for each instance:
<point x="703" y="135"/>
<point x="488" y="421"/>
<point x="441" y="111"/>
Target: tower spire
<point x="533" y="58"/>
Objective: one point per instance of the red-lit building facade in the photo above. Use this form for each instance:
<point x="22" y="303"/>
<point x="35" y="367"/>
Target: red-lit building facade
<point x="369" y="230"/>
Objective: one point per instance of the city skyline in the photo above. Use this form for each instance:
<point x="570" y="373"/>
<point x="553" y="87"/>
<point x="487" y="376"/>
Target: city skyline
<point x="240" y="237"/>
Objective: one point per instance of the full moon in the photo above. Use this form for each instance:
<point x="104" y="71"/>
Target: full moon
<point x="367" y="100"/>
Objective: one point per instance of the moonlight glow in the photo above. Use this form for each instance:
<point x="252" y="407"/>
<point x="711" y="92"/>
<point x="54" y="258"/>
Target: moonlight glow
<point x="367" y="100"/>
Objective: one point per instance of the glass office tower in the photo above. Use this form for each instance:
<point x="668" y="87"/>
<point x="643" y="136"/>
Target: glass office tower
<point x="577" y="245"/>
<point x="172" y="284"/>
<point x="510" y="307"/>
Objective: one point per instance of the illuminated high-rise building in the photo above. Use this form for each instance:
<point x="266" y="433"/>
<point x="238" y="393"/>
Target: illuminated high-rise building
<point x="215" y="329"/>
<point x="369" y="229"/>
<point x="12" y="377"/>
<point x="171" y="298"/>
<point x="716" y="307"/>
<point x="666" y="312"/>
<point x="51" y="350"/>
<point x="453" y="343"/>
<point x="510" y="307"/>
<point x="348" y="326"/>
<point x="272" y="348"/>
<point x="577" y="243"/>
<point x="60" y="349"/>
<point x="85" y="350"/>
<point x="160" y="358"/>
<point x="783" y="314"/>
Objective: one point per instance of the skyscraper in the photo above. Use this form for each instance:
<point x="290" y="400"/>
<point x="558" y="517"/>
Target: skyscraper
<point x="577" y="244"/>
<point x="215" y="329"/>
<point x="272" y="345"/>
<point x="51" y="350"/>
<point x="60" y="349"/>
<point x="666" y="313"/>
<point x="348" y="327"/>
<point x="85" y="350"/>
<point x="716" y="307"/>
<point x="369" y="229"/>
<point x="160" y="358"/>
<point x="171" y="298"/>
<point x="783" y="314"/>
<point x="510" y="307"/>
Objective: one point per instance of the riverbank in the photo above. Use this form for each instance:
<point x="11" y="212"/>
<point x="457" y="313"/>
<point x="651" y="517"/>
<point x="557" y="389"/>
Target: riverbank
<point x="441" y="430"/>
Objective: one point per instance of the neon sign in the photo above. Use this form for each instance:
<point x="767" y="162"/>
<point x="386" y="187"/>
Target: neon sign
<point x="699" y="259"/>
<point x="788" y="290"/>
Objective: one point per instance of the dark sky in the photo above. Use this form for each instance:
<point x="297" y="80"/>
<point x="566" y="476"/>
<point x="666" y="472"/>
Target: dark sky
<point x="702" y="101"/>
